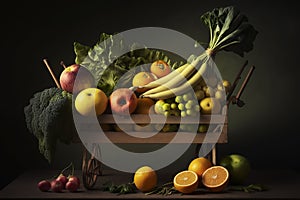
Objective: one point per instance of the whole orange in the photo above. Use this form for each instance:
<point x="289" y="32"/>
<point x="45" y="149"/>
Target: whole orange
<point x="160" y="68"/>
<point x="144" y="106"/>
<point x="142" y="78"/>
<point x="145" y="179"/>
<point x="199" y="165"/>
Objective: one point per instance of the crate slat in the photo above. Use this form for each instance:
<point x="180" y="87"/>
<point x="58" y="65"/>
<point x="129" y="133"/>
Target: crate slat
<point x="153" y="137"/>
<point x="160" y="119"/>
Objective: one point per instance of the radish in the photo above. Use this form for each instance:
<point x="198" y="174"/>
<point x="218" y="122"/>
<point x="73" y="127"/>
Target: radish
<point x="75" y="179"/>
<point x="56" y="186"/>
<point x="72" y="186"/>
<point x="63" y="179"/>
<point x="44" y="185"/>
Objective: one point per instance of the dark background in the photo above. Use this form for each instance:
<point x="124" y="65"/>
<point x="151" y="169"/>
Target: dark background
<point x="265" y="129"/>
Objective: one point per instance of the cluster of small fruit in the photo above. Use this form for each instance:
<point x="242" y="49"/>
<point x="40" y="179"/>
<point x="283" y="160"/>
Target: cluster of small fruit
<point x="167" y="107"/>
<point x="188" y="104"/>
<point x="62" y="182"/>
<point x="70" y="183"/>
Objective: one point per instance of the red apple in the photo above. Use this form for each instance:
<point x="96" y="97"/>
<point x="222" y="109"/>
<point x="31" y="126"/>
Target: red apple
<point x="69" y="75"/>
<point x="123" y="101"/>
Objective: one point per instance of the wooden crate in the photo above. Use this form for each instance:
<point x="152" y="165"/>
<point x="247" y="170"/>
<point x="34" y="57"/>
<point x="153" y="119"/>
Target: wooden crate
<point x="220" y="124"/>
<point x="91" y="167"/>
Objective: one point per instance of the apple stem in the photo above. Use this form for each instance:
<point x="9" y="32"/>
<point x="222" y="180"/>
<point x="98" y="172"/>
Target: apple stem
<point x="52" y="74"/>
<point x="63" y="64"/>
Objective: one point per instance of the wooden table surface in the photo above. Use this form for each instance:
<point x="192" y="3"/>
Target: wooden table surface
<point x="282" y="184"/>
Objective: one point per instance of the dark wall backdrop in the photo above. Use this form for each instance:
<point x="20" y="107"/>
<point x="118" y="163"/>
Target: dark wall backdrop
<point x="265" y="129"/>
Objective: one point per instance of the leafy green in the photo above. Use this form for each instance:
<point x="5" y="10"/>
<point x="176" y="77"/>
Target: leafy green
<point x="110" y="69"/>
<point x="124" y="188"/>
<point x="229" y="30"/>
<point x="165" y="189"/>
<point x="49" y="118"/>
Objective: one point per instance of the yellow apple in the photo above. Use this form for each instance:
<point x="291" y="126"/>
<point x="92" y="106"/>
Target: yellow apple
<point x="226" y="85"/>
<point x="210" y="105"/>
<point x="91" y="101"/>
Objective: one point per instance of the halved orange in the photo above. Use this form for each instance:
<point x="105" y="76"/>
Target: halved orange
<point x="186" y="181"/>
<point x="215" y="178"/>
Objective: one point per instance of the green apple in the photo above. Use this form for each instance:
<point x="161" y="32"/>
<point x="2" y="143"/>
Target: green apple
<point x="210" y="105"/>
<point x="238" y="167"/>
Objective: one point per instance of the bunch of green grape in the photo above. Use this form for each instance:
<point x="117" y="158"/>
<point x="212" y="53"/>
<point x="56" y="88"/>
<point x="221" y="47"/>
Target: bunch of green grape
<point x="167" y="107"/>
<point x="188" y="104"/>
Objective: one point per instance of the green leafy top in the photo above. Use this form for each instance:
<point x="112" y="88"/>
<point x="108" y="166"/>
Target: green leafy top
<point x="229" y="30"/>
<point x="103" y="61"/>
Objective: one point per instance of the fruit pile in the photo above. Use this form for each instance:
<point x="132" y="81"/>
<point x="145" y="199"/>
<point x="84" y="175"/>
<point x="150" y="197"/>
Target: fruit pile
<point x="61" y="182"/>
<point x="204" y="98"/>
<point x="201" y="174"/>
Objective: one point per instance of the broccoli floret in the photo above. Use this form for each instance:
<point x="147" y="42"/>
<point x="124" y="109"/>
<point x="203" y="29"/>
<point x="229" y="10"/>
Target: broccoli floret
<point x="49" y="118"/>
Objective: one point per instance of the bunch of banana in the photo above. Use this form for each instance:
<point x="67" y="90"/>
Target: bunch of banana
<point x="180" y="80"/>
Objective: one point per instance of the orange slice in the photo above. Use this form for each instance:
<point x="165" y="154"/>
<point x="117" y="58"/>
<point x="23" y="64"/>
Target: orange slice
<point x="186" y="181"/>
<point x="215" y="178"/>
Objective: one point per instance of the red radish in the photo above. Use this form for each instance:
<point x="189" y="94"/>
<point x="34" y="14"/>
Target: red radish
<point x="44" y="185"/>
<point x="63" y="179"/>
<point x="74" y="178"/>
<point x="72" y="186"/>
<point x="56" y="186"/>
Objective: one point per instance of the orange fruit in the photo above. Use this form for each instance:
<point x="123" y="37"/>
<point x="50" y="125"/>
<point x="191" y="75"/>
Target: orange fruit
<point x="199" y="165"/>
<point x="141" y="79"/>
<point x="144" y="106"/>
<point x="186" y="181"/>
<point x="160" y="68"/>
<point x="145" y="179"/>
<point x="215" y="178"/>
